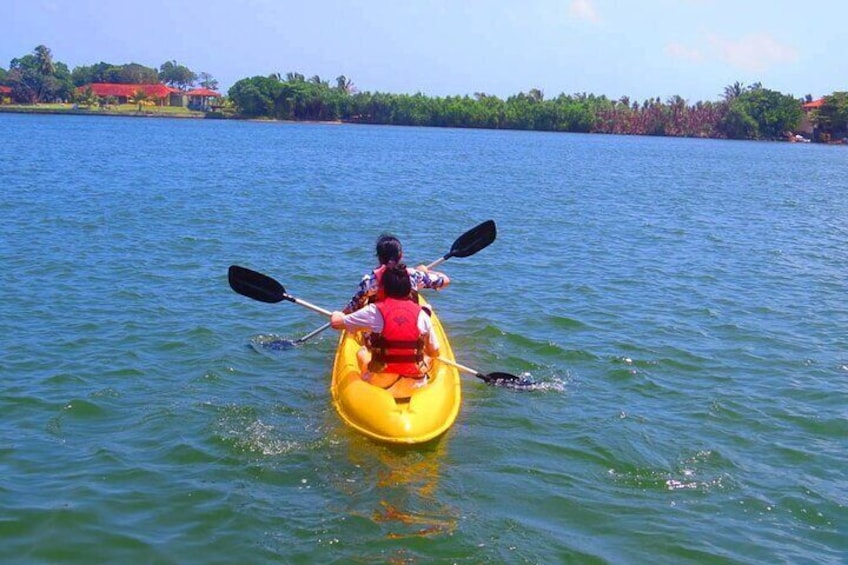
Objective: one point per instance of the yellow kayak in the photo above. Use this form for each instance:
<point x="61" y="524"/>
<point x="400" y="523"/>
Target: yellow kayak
<point x="374" y="412"/>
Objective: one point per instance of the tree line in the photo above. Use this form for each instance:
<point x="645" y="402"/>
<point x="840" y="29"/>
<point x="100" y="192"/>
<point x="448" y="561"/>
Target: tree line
<point x="743" y="112"/>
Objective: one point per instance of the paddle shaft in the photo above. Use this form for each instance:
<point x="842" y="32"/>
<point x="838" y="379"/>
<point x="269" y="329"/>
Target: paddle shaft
<point x="469" y="370"/>
<point x="308" y="305"/>
<point x="437" y="262"/>
<point x="490" y="378"/>
<point x="312" y="334"/>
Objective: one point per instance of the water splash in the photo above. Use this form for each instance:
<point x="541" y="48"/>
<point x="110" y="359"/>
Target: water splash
<point x="526" y="383"/>
<point x="272" y="343"/>
<point x="690" y="474"/>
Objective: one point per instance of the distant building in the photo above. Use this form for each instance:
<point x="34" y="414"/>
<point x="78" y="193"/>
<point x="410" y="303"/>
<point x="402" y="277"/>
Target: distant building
<point x="806" y="126"/>
<point x="202" y="98"/>
<point x="5" y="94"/>
<point x="162" y="94"/>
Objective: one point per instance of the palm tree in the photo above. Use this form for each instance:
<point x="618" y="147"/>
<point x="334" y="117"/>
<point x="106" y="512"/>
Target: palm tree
<point x="733" y="91"/>
<point x="344" y="84"/>
<point x="206" y="81"/>
<point x="140" y="96"/>
<point x="45" y="60"/>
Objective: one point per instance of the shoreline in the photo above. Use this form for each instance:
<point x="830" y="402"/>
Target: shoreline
<point x="18" y="109"/>
<point x="188" y="115"/>
<point x="201" y="115"/>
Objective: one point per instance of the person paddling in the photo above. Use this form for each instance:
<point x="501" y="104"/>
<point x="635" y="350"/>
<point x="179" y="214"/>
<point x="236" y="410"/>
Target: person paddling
<point x="403" y="341"/>
<point x="389" y="250"/>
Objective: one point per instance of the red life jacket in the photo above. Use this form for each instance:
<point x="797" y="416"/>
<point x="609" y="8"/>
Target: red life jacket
<point x="400" y="347"/>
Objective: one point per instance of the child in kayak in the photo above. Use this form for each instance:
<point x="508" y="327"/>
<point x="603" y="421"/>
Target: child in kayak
<point x="389" y="250"/>
<point x="403" y="340"/>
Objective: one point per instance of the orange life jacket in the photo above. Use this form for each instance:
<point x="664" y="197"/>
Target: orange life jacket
<point x="399" y="348"/>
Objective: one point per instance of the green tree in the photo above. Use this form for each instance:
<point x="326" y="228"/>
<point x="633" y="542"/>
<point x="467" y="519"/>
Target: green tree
<point x="745" y="112"/>
<point x="344" y="84"/>
<point x="38" y="78"/>
<point x="84" y="74"/>
<point x="832" y="116"/>
<point x="131" y="73"/>
<point x="733" y="90"/>
<point x="44" y="57"/>
<point x="139" y="97"/>
<point x="775" y="113"/>
<point x="176" y="75"/>
<point x="85" y="97"/>
<point x="255" y="96"/>
<point x="738" y="124"/>
<point x="760" y="113"/>
<point x="205" y="80"/>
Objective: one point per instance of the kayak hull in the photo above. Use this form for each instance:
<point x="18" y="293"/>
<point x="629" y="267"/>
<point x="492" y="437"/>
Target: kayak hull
<point x="372" y="411"/>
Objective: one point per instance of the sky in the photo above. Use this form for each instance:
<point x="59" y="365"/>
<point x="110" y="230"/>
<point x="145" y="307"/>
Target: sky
<point x="640" y="49"/>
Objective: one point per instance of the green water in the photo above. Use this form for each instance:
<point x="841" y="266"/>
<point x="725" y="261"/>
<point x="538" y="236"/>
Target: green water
<point x="680" y="305"/>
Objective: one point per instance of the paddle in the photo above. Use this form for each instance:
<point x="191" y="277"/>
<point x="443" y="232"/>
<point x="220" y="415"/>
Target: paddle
<point x="477" y="238"/>
<point x="469" y="243"/>
<point x="489" y="378"/>
<point x="265" y="289"/>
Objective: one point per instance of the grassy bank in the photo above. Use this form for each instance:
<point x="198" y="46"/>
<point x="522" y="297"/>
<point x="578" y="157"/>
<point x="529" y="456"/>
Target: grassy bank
<point x="113" y="110"/>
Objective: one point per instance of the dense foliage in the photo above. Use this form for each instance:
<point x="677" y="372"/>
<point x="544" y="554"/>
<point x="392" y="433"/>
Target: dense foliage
<point x="832" y="116"/>
<point x="36" y="77"/>
<point x="760" y="113"/>
<point x="174" y="74"/>
<point x="752" y="112"/>
<point x="745" y="113"/>
<point x="132" y="73"/>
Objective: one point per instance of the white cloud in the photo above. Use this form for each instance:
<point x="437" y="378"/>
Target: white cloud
<point x="583" y="10"/>
<point x="754" y="52"/>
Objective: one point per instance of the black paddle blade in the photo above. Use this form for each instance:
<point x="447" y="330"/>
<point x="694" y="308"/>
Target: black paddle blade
<point x="255" y="285"/>
<point x="474" y="240"/>
<point x="506" y="380"/>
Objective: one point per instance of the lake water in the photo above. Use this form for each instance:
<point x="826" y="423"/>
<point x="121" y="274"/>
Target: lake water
<point x="679" y="303"/>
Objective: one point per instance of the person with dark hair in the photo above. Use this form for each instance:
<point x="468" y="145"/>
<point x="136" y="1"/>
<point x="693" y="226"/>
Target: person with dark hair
<point x="402" y="340"/>
<point x="390" y="252"/>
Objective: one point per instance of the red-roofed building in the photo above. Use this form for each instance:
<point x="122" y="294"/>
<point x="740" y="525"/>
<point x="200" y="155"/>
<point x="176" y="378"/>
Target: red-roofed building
<point x="806" y="126"/>
<point x="162" y="94"/>
<point x="813" y="105"/>
<point x="201" y="98"/>
<point x="5" y="94"/>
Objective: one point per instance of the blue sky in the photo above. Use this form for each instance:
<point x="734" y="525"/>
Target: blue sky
<point x="636" y="48"/>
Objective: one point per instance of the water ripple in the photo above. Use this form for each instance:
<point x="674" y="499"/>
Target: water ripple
<point x="678" y="306"/>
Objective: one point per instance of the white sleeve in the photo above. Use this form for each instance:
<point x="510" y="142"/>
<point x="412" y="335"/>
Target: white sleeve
<point x="366" y="318"/>
<point x="425" y="326"/>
